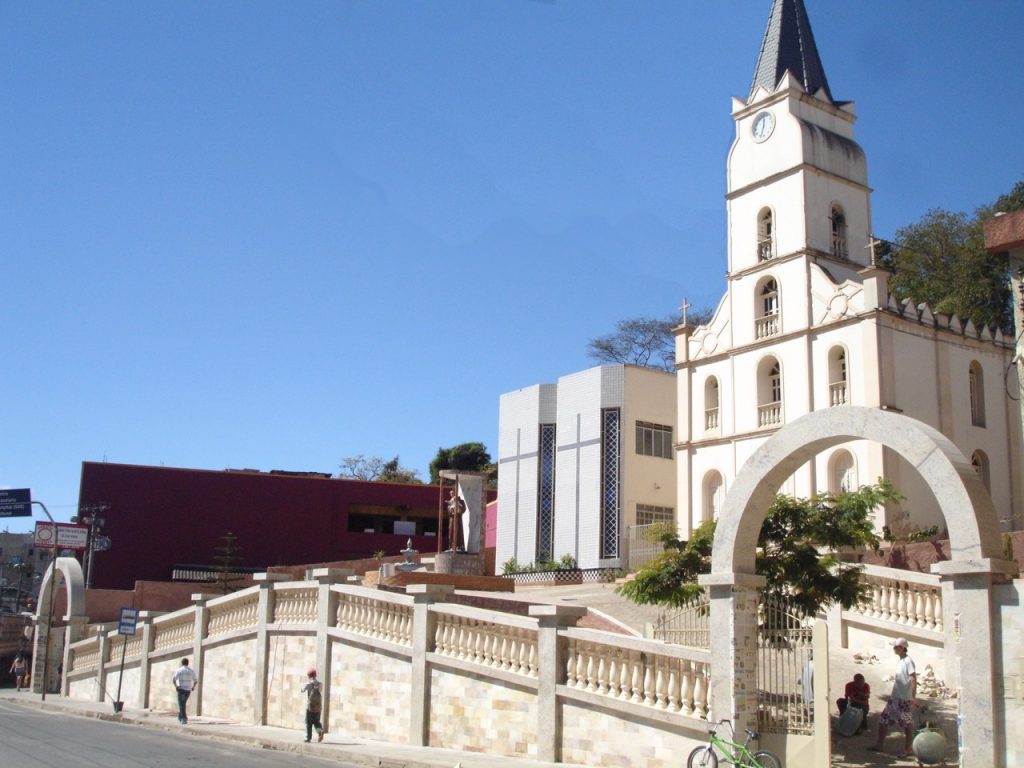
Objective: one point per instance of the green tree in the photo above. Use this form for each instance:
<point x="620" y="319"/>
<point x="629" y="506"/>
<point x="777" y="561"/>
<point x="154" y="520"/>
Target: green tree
<point x="643" y="341"/>
<point x="376" y="469"/>
<point x="795" y="551"/>
<point x="226" y="562"/>
<point x="941" y="260"/>
<point x="471" y="457"/>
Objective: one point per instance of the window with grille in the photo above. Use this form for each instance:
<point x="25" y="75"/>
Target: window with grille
<point x="610" y="481"/>
<point x="653" y="440"/>
<point x="648" y="514"/>
<point x="546" y="494"/>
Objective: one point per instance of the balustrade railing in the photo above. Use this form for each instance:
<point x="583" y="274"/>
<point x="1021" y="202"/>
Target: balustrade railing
<point x="479" y="641"/>
<point x="295" y="606"/>
<point x="177" y="630"/>
<point x="232" y="616"/>
<point x="837" y="393"/>
<point x="711" y="419"/>
<point x="769" y="415"/>
<point x="85" y="659"/>
<point x="667" y="680"/>
<point x="766" y="326"/>
<point x="374" y="618"/>
<point x="902" y="597"/>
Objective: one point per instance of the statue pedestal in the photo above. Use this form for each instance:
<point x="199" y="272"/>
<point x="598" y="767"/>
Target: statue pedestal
<point x="462" y="563"/>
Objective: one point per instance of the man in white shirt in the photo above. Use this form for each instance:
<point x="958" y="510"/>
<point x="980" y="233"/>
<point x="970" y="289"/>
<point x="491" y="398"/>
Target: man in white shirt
<point x="900" y="709"/>
<point x="185" y="680"/>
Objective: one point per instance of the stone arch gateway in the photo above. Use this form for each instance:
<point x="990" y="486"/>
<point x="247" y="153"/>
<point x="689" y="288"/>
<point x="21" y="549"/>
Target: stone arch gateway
<point x="66" y="571"/>
<point x="967" y="578"/>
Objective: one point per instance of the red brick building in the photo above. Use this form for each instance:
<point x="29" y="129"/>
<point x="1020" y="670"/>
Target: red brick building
<point x="160" y="517"/>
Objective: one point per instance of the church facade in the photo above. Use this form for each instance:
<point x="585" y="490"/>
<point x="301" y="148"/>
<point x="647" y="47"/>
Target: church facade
<point x="807" y="321"/>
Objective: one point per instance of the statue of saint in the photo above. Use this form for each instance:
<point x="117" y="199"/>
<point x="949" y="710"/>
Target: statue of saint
<point x="456" y="507"/>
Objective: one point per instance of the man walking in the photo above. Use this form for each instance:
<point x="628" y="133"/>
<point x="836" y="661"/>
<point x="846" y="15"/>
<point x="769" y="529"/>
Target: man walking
<point x="899" y="711"/>
<point x="314" y="705"/>
<point x="185" y="681"/>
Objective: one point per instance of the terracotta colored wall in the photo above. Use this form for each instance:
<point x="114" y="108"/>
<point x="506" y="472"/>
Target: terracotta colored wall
<point x="162" y="516"/>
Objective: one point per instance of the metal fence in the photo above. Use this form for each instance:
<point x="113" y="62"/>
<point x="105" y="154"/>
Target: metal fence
<point x="641" y="549"/>
<point x="784" y="668"/>
<point x="689" y="625"/>
<point x="565" y="576"/>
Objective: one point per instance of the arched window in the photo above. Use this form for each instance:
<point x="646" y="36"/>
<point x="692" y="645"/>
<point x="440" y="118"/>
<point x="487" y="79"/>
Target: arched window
<point x="980" y="463"/>
<point x="767" y="323"/>
<point x="838" y="380"/>
<point x="714" y="495"/>
<point x="711" y="404"/>
<point x="769" y="393"/>
<point x="765" y="235"/>
<point x="977" y="387"/>
<point x="842" y="472"/>
<point x="838" y="219"/>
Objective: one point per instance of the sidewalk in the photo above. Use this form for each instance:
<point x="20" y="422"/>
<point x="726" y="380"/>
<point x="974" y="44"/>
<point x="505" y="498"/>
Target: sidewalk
<point x="348" y="751"/>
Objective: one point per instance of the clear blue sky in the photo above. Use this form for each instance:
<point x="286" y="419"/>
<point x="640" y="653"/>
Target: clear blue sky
<point x="274" y="234"/>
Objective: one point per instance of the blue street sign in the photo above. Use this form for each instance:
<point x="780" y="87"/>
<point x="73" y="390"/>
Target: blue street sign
<point x="126" y="625"/>
<point x="16" y="502"/>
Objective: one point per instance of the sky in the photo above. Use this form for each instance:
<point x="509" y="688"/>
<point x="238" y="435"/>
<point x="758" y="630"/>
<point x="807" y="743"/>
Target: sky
<point x="272" y="235"/>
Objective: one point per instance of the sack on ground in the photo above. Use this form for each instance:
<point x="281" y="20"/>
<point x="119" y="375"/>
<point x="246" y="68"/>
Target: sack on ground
<point x="850" y="720"/>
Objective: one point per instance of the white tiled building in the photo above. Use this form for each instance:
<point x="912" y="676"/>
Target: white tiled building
<point x="583" y="459"/>
<point x="806" y="323"/>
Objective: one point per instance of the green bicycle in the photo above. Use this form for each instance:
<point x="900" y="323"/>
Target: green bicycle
<point x="733" y="752"/>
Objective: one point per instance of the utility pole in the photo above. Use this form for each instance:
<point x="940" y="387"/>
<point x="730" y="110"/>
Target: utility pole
<point x="89" y="515"/>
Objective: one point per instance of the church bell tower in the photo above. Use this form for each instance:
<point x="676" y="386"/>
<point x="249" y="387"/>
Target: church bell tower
<point x="797" y="181"/>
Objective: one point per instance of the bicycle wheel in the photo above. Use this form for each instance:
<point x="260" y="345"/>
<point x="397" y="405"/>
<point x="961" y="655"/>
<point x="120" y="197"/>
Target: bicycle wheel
<point x="767" y="760"/>
<point x="703" y="757"/>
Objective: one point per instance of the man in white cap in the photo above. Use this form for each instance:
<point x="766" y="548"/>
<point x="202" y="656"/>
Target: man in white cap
<point x="900" y="709"/>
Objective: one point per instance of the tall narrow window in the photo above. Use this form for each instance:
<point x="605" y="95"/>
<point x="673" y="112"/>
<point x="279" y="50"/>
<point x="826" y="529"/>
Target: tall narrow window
<point x="842" y="472"/>
<point x="546" y="495"/>
<point x="611" y="504"/>
<point x="838" y="384"/>
<point x="767" y="322"/>
<point x="714" y="494"/>
<point x="765" y="235"/>
<point x="711" y="404"/>
<point x="977" y="387"/>
<point x="769" y="393"/>
<point x="838" y="232"/>
<point x="980" y="463"/>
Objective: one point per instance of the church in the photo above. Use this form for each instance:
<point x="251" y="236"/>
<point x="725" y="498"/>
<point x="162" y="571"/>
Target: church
<point x="807" y="322"/>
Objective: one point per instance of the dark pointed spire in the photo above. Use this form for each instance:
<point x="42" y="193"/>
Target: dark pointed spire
<point x="788" y="46"/>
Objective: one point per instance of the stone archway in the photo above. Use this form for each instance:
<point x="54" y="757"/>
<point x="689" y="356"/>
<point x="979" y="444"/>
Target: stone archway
<point x="974" y="540"/>
<point x="66" y="571"/>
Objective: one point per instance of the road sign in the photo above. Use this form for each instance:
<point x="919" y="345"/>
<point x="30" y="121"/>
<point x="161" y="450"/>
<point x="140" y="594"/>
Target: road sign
<point x="16" y="502"/>
<point x="100" y="543"/>
<point x="62" y="535"/>
<point x="126" y="625"/>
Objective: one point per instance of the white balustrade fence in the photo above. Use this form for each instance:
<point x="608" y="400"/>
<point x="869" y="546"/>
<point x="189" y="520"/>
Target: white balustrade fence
<point x="378" y="647"/>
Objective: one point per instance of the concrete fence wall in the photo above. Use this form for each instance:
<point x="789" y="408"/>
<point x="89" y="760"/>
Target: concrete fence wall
<point x="412" y="669"/>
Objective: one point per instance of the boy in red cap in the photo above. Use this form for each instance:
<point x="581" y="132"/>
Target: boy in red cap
<point x="314" y="704"/>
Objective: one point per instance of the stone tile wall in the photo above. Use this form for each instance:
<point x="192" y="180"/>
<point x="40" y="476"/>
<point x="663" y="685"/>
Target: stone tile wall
<point x="369" y="694"/>
<point x="481" y="715"/>
<point x="593" y="737"/>
<point x="228" y="681"/>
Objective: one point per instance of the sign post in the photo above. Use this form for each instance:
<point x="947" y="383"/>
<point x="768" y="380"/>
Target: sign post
<point x="125" y="628"/>
<point x="16" y="502"/>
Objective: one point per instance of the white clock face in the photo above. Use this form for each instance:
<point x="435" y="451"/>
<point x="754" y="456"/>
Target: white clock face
<point x="763" y="126"/>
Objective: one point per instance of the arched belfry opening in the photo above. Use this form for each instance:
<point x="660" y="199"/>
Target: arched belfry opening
<point x="967" y="577"/>
<point x="58" y="622"/>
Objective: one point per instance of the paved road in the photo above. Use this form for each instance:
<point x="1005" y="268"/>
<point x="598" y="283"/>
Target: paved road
<point x="31" y="737"/>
